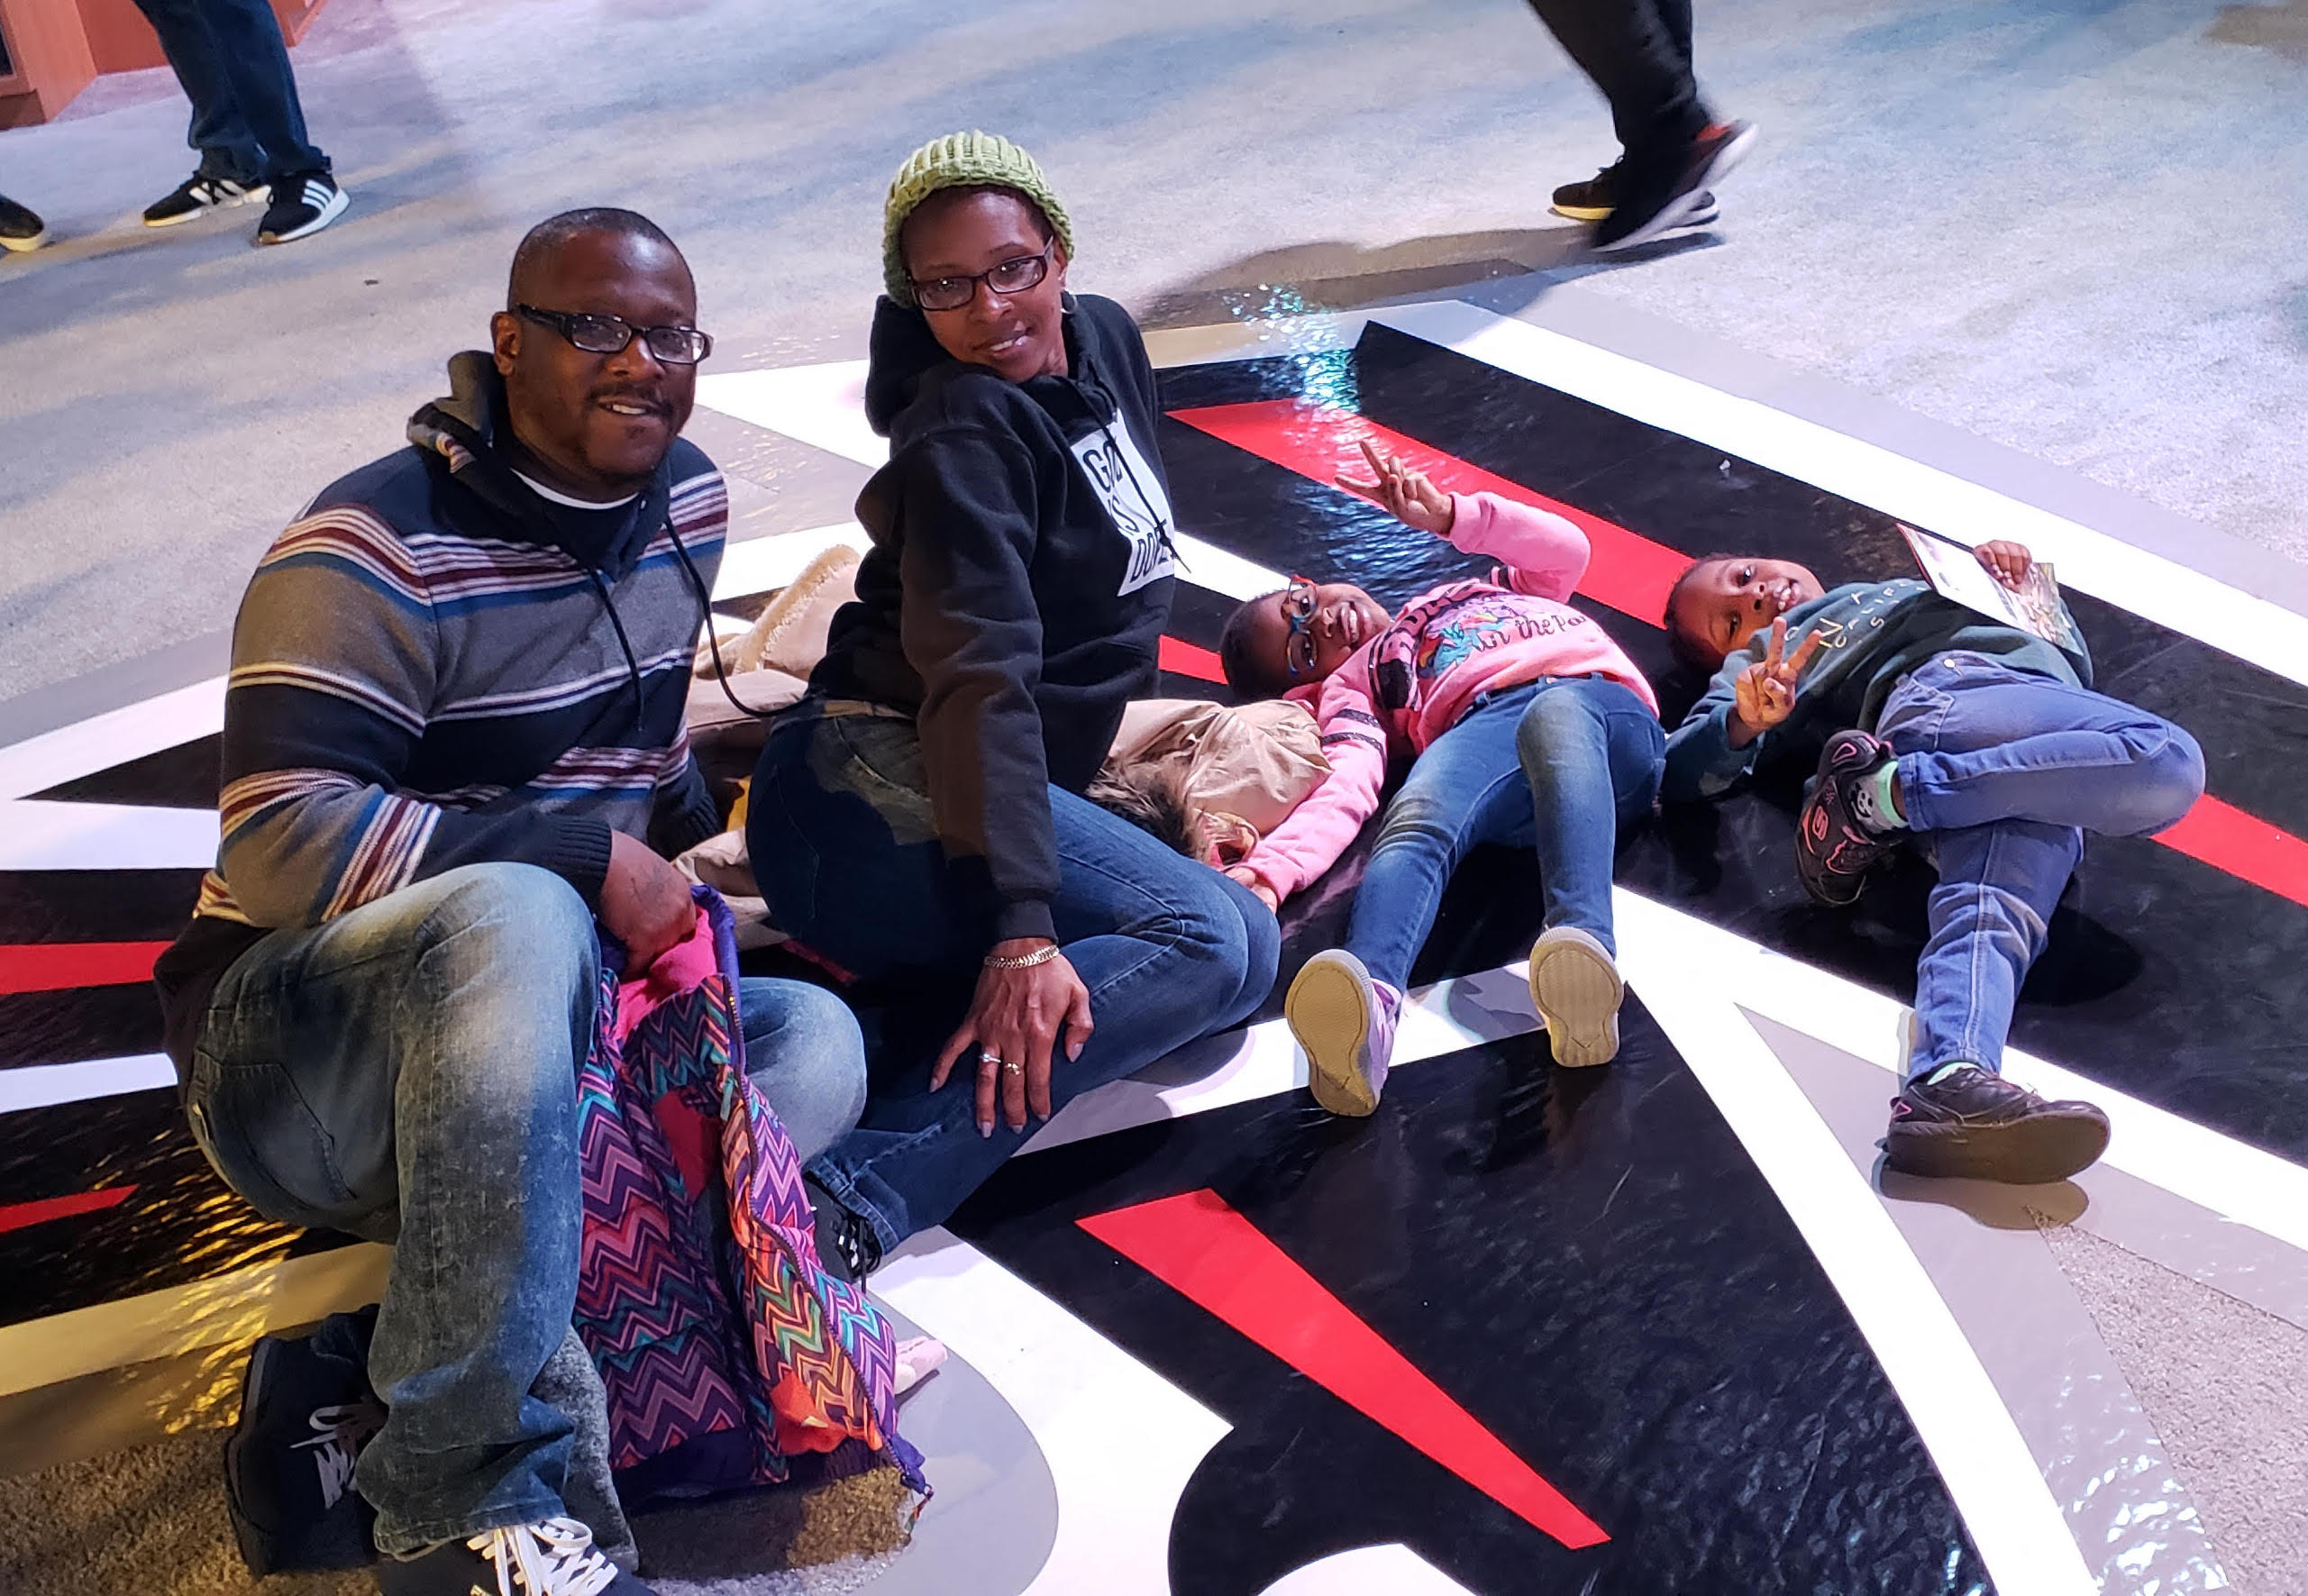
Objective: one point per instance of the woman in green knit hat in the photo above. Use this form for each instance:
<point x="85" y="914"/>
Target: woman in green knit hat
<point x="917" y="818"/>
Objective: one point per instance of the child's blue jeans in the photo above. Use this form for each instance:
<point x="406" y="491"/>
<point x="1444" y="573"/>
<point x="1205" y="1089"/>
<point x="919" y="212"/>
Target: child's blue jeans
<point x="2001" y="773"/>
<point x="1556" y="766"/>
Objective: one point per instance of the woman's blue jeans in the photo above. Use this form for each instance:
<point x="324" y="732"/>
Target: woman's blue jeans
<point x="843" y="846"/>
<point x="1557" y="767"/>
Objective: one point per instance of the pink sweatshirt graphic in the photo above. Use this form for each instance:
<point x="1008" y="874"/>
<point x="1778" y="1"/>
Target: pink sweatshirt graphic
<point x="1413" y="681"/>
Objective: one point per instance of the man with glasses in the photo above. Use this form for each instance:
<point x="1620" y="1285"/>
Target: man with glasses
<point x="453" y="744"/>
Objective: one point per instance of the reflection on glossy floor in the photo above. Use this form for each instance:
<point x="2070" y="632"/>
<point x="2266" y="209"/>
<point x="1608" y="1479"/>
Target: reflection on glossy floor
<point x="1661" y="1327"/>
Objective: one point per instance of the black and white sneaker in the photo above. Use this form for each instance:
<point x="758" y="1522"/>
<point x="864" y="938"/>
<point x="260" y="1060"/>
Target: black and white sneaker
<point x="1976" y="1125"/>
<point x="197" y="196"/>
<point x="553" y="1557"/>
<point x="847" y="1247"/>
<point x="306" y="1411"/>
<point x="303" y="203"/>
<point x="1664" y="196"/>
<point x="1594" y="199"/>
<point x="20" y="229"/>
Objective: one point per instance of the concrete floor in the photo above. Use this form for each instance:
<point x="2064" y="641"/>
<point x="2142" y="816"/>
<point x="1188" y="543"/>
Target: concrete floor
<point x="2067" y="226"/>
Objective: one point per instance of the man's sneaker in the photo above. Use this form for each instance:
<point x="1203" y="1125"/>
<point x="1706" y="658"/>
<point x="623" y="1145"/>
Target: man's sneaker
<point x="1979" y="1126"/>
<point x="1833" y="851"/>
<point x="305" y="1413"/>
<point x="302" y="205"/>
<point x="1576" y="989"/>
<point x="198" y="195"/>
<point x="555" y="1557"/>
<point x="20" y="229"/>
<point x="1345" y="1022"/>
<point x="1667" y="197"/>
<point x="847" y="1247"/>
<point x="1598" y="196"/>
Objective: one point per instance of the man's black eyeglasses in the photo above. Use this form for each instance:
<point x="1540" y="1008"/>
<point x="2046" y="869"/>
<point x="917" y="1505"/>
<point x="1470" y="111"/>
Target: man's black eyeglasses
<point x="1014" y="276"/>
<point x="607" y="335"/>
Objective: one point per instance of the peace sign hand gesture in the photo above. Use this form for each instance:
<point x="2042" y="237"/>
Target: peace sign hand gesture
<point x="1408" y="495"/>
<point x="1765" y="693"/>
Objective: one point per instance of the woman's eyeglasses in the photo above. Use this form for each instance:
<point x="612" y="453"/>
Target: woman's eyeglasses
<point x="1013" y="275"/>
<point x="1298" y="610"/>
<point x="607" y="335"/>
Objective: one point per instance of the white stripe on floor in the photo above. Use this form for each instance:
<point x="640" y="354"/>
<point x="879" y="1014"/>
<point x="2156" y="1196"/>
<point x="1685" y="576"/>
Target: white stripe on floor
<point x="44" y="1086"/>
<point x="41" y="836"/>
<point x="114" y="738"/>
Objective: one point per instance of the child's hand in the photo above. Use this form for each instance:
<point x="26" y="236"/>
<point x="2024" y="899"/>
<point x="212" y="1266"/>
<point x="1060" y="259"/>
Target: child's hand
<point x="1765" y="690"/>
<point x="2008" y="562"/>
<point x="1258" y="888"/>
<point x="1409" y="497"/>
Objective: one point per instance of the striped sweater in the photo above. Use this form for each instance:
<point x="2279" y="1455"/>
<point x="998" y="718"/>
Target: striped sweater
<point x="436" y="667"/>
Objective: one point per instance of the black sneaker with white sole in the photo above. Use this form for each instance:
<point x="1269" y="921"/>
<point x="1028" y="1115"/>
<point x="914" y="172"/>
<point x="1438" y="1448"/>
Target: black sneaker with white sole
<point x="20" y="229"/>
<point x="1595" y="198"/>
<point x="197" y="196"/>
<point x="306" y="1411"/>
<point x="552" y="1557"/>
<point x="847" y="1247"/>
<point x="1975" y="1124"/>
<point x="1658" y="198"/>
<point x="303" y="203"/>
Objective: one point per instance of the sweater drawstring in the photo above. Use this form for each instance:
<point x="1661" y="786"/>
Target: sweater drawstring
<point x="1162" y="522"/>
<point x="705" y="607"/>
<point x="632" y="665"/>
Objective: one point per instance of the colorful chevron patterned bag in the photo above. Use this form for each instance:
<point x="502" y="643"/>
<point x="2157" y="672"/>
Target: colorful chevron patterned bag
<point x="730" y="1356"/>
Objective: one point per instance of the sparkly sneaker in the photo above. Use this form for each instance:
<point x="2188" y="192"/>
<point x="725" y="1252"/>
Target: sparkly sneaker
<point x="1834" y="851"/>
<point x="1345" y="1022"/>
<point x="1576" y="989"/>
<point x="847" y="1247"/>
<point x="553" y="1557"/>
<point x="1976" y="1125"/>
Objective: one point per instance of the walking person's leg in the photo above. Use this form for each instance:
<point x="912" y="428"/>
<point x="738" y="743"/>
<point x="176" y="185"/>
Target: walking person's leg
<point x="1466" y="788"/>
<point x="1591" y="752"/>
<point x="231" y="167"/>
<point x="409" y="1072"/>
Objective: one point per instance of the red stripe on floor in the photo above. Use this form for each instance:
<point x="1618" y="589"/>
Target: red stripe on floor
<point x="2226" y="838"/>
<point x="1218" y="1260"/>
<point x="60" y="966"/>
<point x="1628" y="572"/>
<point x="1632" y="574"/>
<point x="1187" y="660"/>
<point x="16" y="1215"/>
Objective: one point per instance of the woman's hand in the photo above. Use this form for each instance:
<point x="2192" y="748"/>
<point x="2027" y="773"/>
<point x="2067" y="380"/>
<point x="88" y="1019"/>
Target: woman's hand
<point x="1013" y="1024"/>
<point x="2008" y="562"/>
<point x="1765" y="693"/>
<point x="1409" y="497"/>
<point x="1258" y="888"/>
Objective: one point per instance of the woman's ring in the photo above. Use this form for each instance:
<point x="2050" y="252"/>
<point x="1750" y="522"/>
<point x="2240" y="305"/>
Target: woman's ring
<point x="987" y="1055"/>
<point x="1012" y="1067"/>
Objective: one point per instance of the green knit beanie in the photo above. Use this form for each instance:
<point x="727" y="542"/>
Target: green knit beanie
<point x="960" y="160"/>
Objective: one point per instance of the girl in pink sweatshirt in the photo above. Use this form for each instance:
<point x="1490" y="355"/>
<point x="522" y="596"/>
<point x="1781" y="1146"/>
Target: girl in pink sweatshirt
<point x="1529" y="727"/>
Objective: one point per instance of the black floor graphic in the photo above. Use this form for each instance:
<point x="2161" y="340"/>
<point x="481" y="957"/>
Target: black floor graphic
<point x="1588" y="1262"/>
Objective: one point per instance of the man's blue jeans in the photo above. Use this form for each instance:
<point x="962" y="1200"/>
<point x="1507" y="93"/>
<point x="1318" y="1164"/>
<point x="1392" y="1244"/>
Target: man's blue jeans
<point x="1558" y="766"/>
<point x="847" y="857"/>
<point x="2001" y="773"/>
<point x="407" y="1072"/>
<point x="247" y="122"/>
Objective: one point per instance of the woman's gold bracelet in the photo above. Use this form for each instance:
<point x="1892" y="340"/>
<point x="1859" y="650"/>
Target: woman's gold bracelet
<point x="1042" y="955"/>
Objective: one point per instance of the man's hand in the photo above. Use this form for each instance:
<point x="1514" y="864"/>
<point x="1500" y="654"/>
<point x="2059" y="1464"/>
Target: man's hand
<point x="1765" y="690"/>
<point x="1013" y="1024"/>
<point x="2008" y="562"/>
<point x="1258" y="887"/>
<point x="645" y="902"/>
<point x="1409" y="497"/>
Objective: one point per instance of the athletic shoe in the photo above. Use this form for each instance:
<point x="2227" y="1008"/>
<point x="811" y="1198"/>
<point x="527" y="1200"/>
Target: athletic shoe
<point x="1833" y="851"/>
<point x="1654" y="204"/>
<point x="1979" y="1126"/>
<point x="918" y="1358"/>
<point x="198" y="195"/>
<point x="303" y="203"/>
<point x="847" y="1247"/>
<point x="1595" y="198"/>
<point x="554" y="1558"/>
<point x="1576" y="989"/>
<point x="20" y="229"/>
<point x="305" y="1413"/>
<point x="1345" y="1022"/>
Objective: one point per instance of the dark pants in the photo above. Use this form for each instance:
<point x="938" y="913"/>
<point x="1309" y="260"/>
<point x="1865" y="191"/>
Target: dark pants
<point x="1638" y="54"/>
<point x="842" y="844"/>
<point x="233" y="64"/>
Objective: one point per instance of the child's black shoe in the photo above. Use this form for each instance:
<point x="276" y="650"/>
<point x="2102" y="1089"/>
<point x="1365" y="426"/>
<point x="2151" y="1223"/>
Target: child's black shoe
<point x="1833" y="851"/>
<point x="1972" y="1124"/>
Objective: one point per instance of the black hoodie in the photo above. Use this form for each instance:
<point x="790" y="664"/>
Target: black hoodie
<point x="1014" y="596"/>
